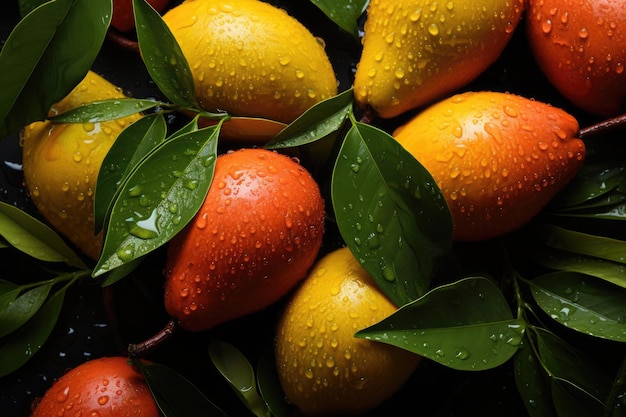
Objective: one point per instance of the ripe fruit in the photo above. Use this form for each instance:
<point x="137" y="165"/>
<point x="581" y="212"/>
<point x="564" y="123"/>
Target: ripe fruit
<point x="256" y="235"/>
<point x="323" y="368"/>
<point x="250" y="58"/>
<point x="123" y="18"/>
<point x="415" y="51"/>
<point x="498" y="158"/>
<point x="104" y="387"/>
<point x="581" y="48"/>
<point x="61" y="163"/>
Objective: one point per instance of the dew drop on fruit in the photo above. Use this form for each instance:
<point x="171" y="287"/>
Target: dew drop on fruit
<point x="103" y="399"/>
<point x="63" y="395"/>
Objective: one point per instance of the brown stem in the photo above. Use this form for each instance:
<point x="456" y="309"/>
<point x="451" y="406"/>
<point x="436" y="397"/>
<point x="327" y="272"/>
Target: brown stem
<point x="368" y="116"/>
<point x="604" y="126"/>
<point x="148" y="345"/>
<point x="123" y="41"/>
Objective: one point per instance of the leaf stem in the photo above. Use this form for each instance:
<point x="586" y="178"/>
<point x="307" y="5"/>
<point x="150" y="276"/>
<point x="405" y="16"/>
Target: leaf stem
<point x="148" y="345"/>
<point x="604" y="126"/>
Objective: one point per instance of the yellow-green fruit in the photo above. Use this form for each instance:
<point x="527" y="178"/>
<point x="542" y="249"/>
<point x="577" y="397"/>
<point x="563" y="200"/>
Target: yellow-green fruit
<point x="251" y="59"/>
<point x="323" y="368"/>
<point x="61" y="163"/>
<point x="415" y="51"/>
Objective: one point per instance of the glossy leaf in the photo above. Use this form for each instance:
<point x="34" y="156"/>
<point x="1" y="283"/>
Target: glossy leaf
<point x="103" y="110"/>
<point x="572" y="373"/>
<point x="344" y="13"/>
<point x="532" y="382"/>
<point x="130" y="147"/>
<point x="269" y="385"/>
<point x="317" y="122"/>
<point x="8" y="293"/>
<point x="585" y="244"/>
<point x="159" y="198"/>
<point x="390" y="212"/>
<point x="466" y="325"/>
<point x="609" y="271"/>
<point x="26" y="6"/>
<point x="120" y="272"/>
<point x="20" y="310"/>
<point x="591" y="182"/>
<point x="235" y="368"/>
<point x="162" y="56"/>
<point x="582" y="303"/>
<point x="17" y="348"/>
<point x="44" y="41"/>
<point x="34" y="238"/>
<point x="175" y="395"/>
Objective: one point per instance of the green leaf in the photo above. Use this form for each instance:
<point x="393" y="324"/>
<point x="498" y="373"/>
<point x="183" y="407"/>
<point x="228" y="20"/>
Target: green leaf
<point x="20" y="346"/>
<point x="316" y="123"/>
<point x="130" y="147"/>
<point x="466" y="325"/>
<point x="236" y="369"/>
<point x="609" y="271"/>
<point x="175" y="395"/>
<point x="570" y="401"/>
<point x="268" y="383"/>
<point x="20" y="310"/>
<point x="160" y="197"/>
<point x="585" y="244"/>
<point x="344" y="13"/>
<point x="582" y="303"/>
<point x="390" y="212"/>
<point x="103" y="110"/>
<point x="576" y="378"/>
<point x="26" y="6"/>
<point x="162" y="56"/>
<point x="531" y="382"/>
<point x="120" y="272"/>
<point x="8" y="292"/>
<point x="34" y="238"/>
<point x="43" y="59"/>
<point x="591" y="182"/>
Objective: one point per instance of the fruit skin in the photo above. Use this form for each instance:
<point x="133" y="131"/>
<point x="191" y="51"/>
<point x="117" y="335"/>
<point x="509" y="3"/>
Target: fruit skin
<point x="322" y="367"/>
<point x="498" y="158"/>
<point x="250" y="58"/>
<point x="123" y="18"/>
<point x="415" y="51"/>
<point x="581" y="48"/>
<point x="254" y="238"/>
<point x="104" y="387"/>
<point x="61" y="163"/>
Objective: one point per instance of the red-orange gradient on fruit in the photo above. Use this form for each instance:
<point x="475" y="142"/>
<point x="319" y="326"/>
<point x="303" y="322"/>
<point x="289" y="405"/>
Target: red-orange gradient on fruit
<point x="581" y="47"/>
<point x="104" y="387"/>
<point x="256" y="235"/>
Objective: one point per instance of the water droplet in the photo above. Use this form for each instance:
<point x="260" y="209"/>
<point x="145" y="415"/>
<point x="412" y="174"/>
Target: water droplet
<point x="433" y="29"/>
<point x="546" y="26"/>
<point x="103" y="399"/>
<point x="62" y="395"/>
<point x="583" y="33"/>
<point x="462" y="354"/>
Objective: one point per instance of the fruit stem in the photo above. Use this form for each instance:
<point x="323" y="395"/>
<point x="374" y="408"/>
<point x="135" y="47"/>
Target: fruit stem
<point x="121" y="40"/>
<point x="148" y="345"/>
<point x="604" y="126"/>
